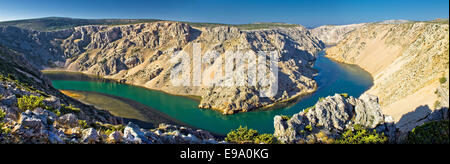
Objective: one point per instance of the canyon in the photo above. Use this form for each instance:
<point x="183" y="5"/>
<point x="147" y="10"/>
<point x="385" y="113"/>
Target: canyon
<point x="408" y="62"/>
<point x="139" y="54"/>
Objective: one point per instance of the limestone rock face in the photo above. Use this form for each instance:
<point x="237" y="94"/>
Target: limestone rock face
<point x="90" y="136"/>
<point x="140" y="54"/>
<point x="368" y="111"/>
<point x="69" y="120"/>
<point x="406" y="61"/>
<point x="332" y="35"/>
<point x="133" y="134"/>
<point x="332" y="116"/>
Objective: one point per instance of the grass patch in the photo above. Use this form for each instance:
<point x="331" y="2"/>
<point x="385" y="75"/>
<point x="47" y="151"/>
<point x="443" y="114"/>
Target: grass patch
<point x="69" y="109"/>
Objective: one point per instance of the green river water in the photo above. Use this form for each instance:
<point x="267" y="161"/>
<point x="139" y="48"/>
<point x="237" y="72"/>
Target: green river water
<point x="333" y="78"/>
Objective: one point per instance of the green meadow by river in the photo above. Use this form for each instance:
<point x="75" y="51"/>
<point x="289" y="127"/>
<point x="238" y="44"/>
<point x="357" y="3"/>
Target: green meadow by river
<point x="333" y="78"/>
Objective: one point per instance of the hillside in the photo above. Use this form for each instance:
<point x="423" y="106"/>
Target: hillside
<point x="408" y="61"/>
<point x="332" y="35"/>
<point x="61" y="23"/>
<point x="140" y="54"/>
<point x="33" y="112"/>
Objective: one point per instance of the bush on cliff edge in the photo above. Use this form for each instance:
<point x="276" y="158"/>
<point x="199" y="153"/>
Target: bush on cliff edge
<point x="430" y="133"/>
<point x="360" y="135"/>
<point x="243" y="135"/>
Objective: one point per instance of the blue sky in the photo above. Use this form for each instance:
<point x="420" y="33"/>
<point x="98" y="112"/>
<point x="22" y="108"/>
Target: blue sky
<point x="308" y="13"/>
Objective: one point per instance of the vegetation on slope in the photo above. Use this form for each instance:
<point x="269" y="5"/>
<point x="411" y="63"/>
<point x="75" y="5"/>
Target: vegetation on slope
<point x="360" y="135"/>
<point x="430" y="133"/>
<point x="440" y="21"/>
<point x="3" y="130"/>
<point x="9" y="71"/>
<point x="243" y="135"/>
<point x="30" y="102"/>
<point x="57" y="23"/>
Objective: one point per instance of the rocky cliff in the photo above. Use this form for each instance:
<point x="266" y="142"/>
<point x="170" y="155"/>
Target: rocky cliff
<point x="139" y="54"/>
<point x="406" y="60"/>
<point x="330" y="117"/>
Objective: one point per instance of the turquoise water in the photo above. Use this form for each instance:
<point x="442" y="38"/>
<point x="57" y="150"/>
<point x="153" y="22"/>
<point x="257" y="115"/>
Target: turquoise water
<point x="333" y="78"/>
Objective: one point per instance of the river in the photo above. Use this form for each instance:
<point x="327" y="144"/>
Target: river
<point x="333" y="78"/>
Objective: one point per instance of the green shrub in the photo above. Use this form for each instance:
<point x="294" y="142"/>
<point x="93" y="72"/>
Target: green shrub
<point x="266" y="139"/>
<point x="430" y="133"/>
<point x="437" y="104"/>
<point x="2" y="115"/>
<point x="30" y="102"/>
<point x="3" y="130"/>
<point x="359" y="135"/>
<point x="442" y="80"/>
<point x="243" y="135"/>
<point x="309" y="108"/>
<point x="53" y="110"/>
<point x="83" y="124"/>
<point x="344" y="95"/>
<point x="107" y="128"/>
<point x="285" y="117"/>
<point x="309" y="127"/>
<point x="69" y="109"/>
<point x="108" y="132"/>
<point x="321" y="99"/>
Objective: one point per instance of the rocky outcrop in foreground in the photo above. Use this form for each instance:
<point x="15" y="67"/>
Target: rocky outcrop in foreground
<point x="330" y="117"/>
<point x="32" y="111"/>
<point x="56" y="124"/>
<point x="139" y="54"/>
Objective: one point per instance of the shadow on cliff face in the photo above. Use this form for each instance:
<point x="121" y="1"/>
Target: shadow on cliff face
<point x="303" y="59"/>
<point x="418" y="117"/>
<point x="194" y="34"/>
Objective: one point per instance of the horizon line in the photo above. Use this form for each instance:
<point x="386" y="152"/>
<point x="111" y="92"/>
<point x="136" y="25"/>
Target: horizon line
<point x="156" y="19"/>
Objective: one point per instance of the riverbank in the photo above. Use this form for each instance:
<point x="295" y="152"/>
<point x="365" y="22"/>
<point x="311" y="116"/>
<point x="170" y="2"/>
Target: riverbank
<point x="61" y="74"/>
<point x="144" y="116"/>
<point x="332" y="78"/>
